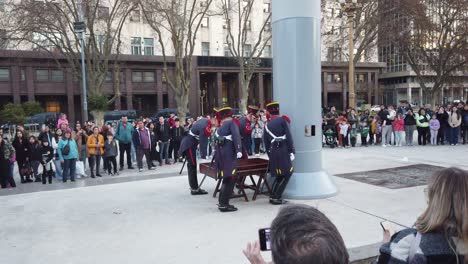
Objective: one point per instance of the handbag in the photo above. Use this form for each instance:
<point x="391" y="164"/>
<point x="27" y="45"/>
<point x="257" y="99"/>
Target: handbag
<point x="66" y="149"/>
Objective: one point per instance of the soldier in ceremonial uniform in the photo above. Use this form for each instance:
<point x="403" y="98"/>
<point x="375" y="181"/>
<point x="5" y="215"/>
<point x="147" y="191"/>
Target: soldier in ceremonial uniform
<point x="280" y="148"/>
<point x="188" y="148"/>
<point x="228" y="150"/>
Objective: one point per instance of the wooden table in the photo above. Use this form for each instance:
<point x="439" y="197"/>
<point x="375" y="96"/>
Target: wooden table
<point x="246" y="168"/>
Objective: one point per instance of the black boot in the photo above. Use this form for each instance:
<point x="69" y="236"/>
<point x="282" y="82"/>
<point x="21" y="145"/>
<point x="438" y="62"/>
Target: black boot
<point x="23" y="179"/>
<point x="198" y="192"/>
<point x="227" y="208"/>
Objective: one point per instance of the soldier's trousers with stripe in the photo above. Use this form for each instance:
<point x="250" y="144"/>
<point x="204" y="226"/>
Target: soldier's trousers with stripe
<point x="281" y="168"/>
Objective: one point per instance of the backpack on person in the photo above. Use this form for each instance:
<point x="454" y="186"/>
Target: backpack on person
<point x="66" y="149"/>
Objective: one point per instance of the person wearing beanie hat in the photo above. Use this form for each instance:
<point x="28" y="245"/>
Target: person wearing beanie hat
<point x="280" y="149"/>
<point x="228" y="150"/>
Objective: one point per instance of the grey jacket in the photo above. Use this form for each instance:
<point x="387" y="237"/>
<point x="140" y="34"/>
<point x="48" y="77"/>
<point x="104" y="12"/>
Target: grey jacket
<point x="110" y="148"/>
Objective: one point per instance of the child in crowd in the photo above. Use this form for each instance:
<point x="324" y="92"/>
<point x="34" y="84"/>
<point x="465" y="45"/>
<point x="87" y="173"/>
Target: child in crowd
<point x="364" y="133"/>
<point x="399" y="127"/>
<point x="47" y="153"/>
<point x="344" y="127"/>
<point x="434" y="125"/>
<point x="110" y="154"/>
<point x="34" y="156"/>
<point x="258" y="135"/>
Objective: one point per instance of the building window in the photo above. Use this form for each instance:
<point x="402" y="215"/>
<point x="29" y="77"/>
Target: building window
<point x="361" y="78"/>
<point x="136" y="45"/>
<point x="4" y="74"/>
<point x="205" y="48"/>
<point x="137" y="76"/>
<point x="268" y="26"/>
<point x="135" y="16"/>
<point x="247" y="50"/>
<point x="227" y="49"/>
<point x="149" y="46"/>
<point x="23" y="75"/>
<point x="267" y="51"/>
<point x="57" y="75"/>
<point x="205" y="22"/>
<point x="53" y="106"/>
<point x="248" y="26"/>
<point x="42" y="75"/>
<point x="108" y="76"/>
<point x="148" y="76"/>
<point x="334" y="78"/>
<point x="334" y="54"/>
<point x="266" y="7"/>
<point x="226" y="23"/>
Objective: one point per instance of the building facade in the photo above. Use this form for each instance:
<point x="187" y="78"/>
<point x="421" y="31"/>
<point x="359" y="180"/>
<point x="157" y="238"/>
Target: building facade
<point x="31" y="75"/>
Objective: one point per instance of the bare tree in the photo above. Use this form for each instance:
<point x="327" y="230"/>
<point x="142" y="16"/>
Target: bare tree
<point x="180" y="20"/>
<point x="432" y="36"/>
<point x="335" y="29"/>
<point x="48" y="25"/>
<point x="246" y="42"/>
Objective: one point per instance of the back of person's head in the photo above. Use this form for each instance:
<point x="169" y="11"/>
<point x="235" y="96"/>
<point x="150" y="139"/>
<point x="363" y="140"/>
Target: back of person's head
<point x="301" y="234"/>
<point x="447" y="209"/>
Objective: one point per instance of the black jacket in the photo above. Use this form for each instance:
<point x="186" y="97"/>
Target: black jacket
<point x="409" y="120"/>
<point x="163" y="132"/>
<point x="177" y="133"/>
<point x="47" y="154"/>
<point x="43" y="137"/>
<point x="443" y="119"/>
<point x="21" y="149"/>
<point x="34" y="152"/>
<point x="383" y="116"/>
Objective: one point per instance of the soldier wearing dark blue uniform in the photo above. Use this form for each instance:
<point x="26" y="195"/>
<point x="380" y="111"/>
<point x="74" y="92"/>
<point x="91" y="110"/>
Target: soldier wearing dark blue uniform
<point x="228" y="150"/>
<point x="280" y="148"/>
<point x="188" y="148"/>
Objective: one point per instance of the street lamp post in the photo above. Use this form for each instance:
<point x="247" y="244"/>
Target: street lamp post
<point x="80" y="29"/>
<point x="350" y="7"/>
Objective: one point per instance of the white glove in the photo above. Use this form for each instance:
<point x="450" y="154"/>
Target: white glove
<point x="292" y="156"/>
<point x="239" y="155"/>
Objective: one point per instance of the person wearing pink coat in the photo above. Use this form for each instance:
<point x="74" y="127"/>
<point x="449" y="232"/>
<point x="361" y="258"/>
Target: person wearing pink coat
<point x="399" y="127"/>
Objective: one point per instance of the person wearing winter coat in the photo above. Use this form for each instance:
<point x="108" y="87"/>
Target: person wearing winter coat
<point x="454" y="122"/>
<point x="442" y="116"/>
<point x="410" y="126"/>
<point x="34" y="156"/>
<point x="110" y="154"/>
<point x="20" y="143"/>
<point x="257" y="135"/>
<point x="434" y="126"/>
<point x="422" y="122"/>
<point x="68" y="160"/>
<point x="47" y="154"/>
<point x="399" y="127"/>
<point x="464" y="132"/>
<point x="7" y="154"/>
<point x="177" y="133"/>
<point x="95" y="149"/>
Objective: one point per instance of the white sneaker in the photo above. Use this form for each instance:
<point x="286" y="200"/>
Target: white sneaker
<point x="140" y="170"/>
<point x="257" y="155"/>
<point x="384" y="146"/>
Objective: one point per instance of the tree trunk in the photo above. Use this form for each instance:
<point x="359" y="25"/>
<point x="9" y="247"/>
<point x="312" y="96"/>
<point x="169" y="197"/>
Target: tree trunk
<point x="98" y="117"/>
<point x="245" y="84"/>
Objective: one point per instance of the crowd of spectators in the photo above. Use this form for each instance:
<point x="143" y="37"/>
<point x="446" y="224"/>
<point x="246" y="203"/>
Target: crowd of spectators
<point x="395" y="126"/>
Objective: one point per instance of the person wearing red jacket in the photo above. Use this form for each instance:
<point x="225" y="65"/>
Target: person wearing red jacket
<point x="399" y="127"/>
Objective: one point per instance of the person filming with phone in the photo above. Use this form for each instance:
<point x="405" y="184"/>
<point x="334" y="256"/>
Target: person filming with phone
<point x="300" y="234"/>
<point x="441" y="231"/>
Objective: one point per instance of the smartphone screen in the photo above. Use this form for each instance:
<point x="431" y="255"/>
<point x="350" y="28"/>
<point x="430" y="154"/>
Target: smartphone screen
<point x="264" y="237"/>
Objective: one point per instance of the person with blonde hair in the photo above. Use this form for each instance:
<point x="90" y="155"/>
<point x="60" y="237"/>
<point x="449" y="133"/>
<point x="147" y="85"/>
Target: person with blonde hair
<point x="441" y="232"/>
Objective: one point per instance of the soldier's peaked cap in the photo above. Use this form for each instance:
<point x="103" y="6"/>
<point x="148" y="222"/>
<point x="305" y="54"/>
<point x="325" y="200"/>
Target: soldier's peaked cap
<point x="273" y="108"/>
<point x="223" y="112"/>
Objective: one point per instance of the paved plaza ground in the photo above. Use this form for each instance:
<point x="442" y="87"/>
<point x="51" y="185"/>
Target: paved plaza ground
<point x="151" y="218"/>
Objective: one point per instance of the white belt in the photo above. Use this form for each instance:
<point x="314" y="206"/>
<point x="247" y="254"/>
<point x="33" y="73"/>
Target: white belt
<point x="273" y="135"/>
<point x="193" y="135"/>
<point x="226" y="137"/>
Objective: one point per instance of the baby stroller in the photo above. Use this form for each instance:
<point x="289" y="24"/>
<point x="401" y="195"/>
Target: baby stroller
<point x="26" y="172"/>
<point x="330" y="139"/>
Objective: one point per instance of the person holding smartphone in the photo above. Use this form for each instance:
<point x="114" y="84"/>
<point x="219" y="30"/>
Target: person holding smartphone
<point x="299" y="234"/>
